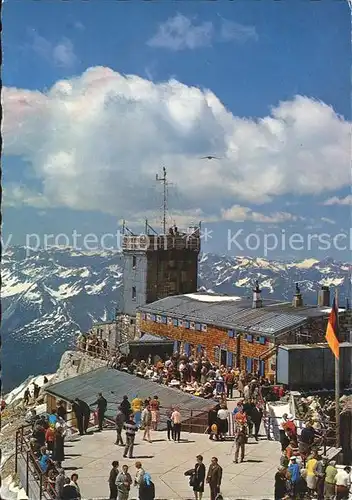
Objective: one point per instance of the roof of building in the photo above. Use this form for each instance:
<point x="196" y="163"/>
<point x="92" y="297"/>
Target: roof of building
<point x="115" y="384"/>
<point x="306" y="347"/>
<point x="272" y="319"/>
<point x="147" y="338"/>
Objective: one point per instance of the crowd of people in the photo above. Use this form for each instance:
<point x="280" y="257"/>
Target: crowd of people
<point x="304" y="471"/>
<point x="47" y="442"/>
<point x="193" y="374"/>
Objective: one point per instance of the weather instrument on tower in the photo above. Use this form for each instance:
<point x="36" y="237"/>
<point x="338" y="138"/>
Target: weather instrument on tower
<point x="164" y="181"/>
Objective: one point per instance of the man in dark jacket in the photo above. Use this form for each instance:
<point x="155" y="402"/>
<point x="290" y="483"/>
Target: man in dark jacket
<point x="102" y="404"/>
<point x="119" y="421"/>
<point x="214" y="477"/>
<point x="82" y="412"/>
<point x="112" y="480"/>
<point x="126" y="407"/>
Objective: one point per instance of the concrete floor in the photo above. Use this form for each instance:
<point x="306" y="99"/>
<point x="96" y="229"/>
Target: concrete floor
<point x="91" y="456"/>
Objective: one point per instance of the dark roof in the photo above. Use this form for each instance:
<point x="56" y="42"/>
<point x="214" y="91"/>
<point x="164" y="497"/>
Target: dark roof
<point x="306" y="347"/>
<point x="272" y="319"/>
<point x="147" y="338"/>
<point x="115" y="384"/>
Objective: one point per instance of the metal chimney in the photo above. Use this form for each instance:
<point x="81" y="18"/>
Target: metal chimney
<point x="297" y="299"/>
<point x="257" y="299"/>
<point x="324" y="297"/>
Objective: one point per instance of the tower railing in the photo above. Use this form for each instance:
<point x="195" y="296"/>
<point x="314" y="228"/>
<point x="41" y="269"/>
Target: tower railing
<point x="145" y="242"/>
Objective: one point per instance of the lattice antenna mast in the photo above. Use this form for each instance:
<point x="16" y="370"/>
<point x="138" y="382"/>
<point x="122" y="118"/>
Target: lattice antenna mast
<point x="164" y="181"/>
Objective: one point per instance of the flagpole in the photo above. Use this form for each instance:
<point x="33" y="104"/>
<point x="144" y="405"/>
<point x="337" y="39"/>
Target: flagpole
<point x="337" y="376"/>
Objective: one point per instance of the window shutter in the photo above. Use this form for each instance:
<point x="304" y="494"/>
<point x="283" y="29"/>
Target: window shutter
<point x="249" y="365"/>
<point x="186" y="348"/>
<point x="230" y="359"/>
<point x="175" y="322"/>
<point x="262" y="368"/>
<point x="198" y="326"/>
<point x="175" y="346"/>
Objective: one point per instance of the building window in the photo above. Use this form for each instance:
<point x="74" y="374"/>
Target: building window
<point x="152" y="317"/>
<point x="131" y="321"/>
<point x="231" y="334"/>
<point x="191" y="325"/>
<point x="134" y="261"/>
<point x="180" y="322"/>
<point x="204" y="328"/>
<point x="186" y="324"/>
<point x="134" y="292"/>
<point x="169" y="321"/>
<point x="249" y="338"/>
<point x="164" y="319"/>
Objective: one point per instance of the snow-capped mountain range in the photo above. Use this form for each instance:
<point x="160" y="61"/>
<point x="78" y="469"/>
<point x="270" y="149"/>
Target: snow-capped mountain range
<point x="51" y="295"/>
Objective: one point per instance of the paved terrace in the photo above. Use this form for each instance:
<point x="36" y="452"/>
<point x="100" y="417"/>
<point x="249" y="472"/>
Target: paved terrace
<point x="91" y="457"/>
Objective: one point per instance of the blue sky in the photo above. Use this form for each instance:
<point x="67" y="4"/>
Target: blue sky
<point x="251" y="55"/>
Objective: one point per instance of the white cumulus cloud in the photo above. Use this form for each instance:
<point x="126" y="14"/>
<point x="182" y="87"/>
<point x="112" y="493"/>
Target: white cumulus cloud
<point x="180" y="32"/>
<point x="60" y="54"/>
<point x="339" y="201"/>
<point x="97" y="140"/>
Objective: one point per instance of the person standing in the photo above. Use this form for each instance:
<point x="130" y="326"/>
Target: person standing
<point x="119" y="421"/>
<point x="222" y="421"/>
<point x="330" y="481"/>
<point x="136" y="406"/>
<point x="112" y="480"/>
<point x="214" y="478"/>
<point x="155" y="411"/>
<point x="131" y="429"/>
<point x="343" y="483"/>
<point x="256" y="416"/>
<point x="199" y="478"/>
<point x="319" y="471"/>
<point x="176" y="421"/>
<point x="240" y="439"/>
<point x="58" y="447"/>
<point x="230" y="381"/>
<point x="74" y="483"/>
<point x="123" y="482"/>
<point x="59" y="483"/>
<point x="146" y="421"/>
<point x="284" y="441"/>
<point x="169" y="424"/>
<point x="139" y="479"/>
<point x="147" y="488"/>
<point x="102" y="405"/>
<point x="280" y="484"/>
<point x="126" y="407"/>
<point x="311" y="478"/>
<point x="295" y="476"/>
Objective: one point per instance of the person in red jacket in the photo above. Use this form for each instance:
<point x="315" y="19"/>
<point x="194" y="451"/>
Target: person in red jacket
<point x="49" y="438"/>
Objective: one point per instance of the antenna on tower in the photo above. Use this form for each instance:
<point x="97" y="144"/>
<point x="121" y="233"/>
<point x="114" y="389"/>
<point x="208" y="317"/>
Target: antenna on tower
<point x="164" y="181"/>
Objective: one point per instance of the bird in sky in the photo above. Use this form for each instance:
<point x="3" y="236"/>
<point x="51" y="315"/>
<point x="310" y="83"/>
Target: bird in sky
<point x="210" y="157"/>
